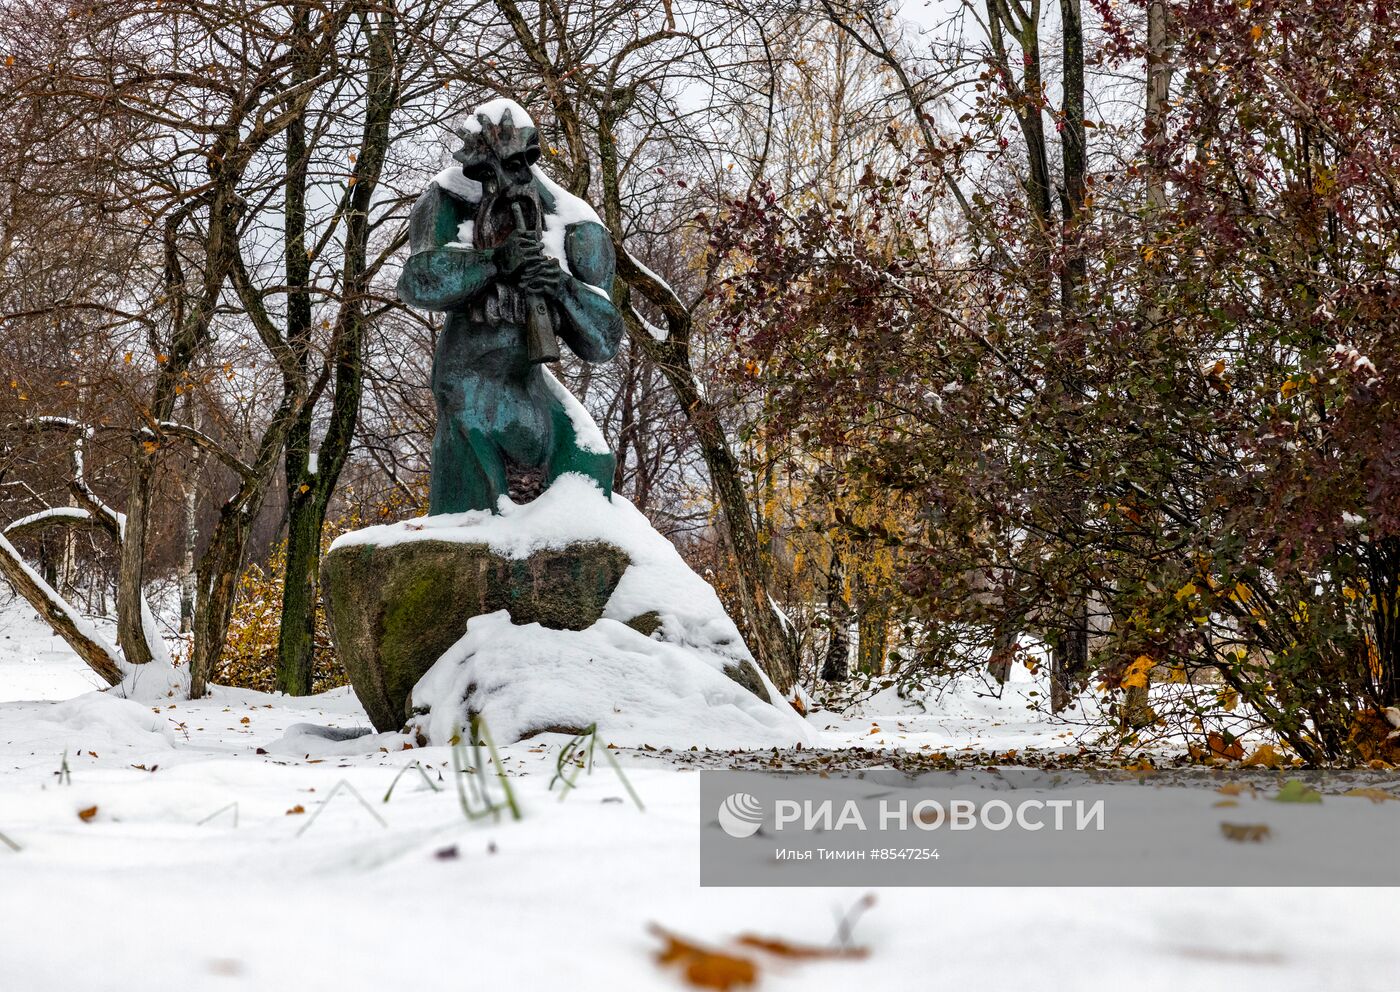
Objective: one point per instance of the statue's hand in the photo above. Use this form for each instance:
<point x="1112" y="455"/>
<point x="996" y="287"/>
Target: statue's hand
<point x="541" y="276"/>
<point x="515" y="253"/>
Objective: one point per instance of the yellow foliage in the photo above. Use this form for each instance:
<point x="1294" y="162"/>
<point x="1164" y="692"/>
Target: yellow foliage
<point x="1136" y="675"/>
<point x="1265" y="756"/>
<point x="250" y="653"/>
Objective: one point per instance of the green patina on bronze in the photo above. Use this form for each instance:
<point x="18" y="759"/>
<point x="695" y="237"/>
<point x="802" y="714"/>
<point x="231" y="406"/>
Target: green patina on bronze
<point x="498" y="416"/>
<point x="395" y="609"/>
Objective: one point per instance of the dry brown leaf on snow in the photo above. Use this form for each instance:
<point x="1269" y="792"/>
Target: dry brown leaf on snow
<point x="297" y="809"/>
<point x="86" y="815"/>
<point x="1375" y="795"/>
<point x="703" y="967"/>
<point x="1245" y="833"/>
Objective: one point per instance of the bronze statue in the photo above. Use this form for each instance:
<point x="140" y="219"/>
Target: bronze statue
<point x="487" y="246"/>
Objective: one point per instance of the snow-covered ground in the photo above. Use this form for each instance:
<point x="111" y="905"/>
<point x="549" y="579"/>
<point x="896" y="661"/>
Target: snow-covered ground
<point x="191" y="873"/>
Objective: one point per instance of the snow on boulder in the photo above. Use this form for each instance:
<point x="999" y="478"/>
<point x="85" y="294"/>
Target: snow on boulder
<point x="401" y="598"/>
<point x="573" y="511"/>
<point x="307" y="739"/>
<point x="526" y="680"/>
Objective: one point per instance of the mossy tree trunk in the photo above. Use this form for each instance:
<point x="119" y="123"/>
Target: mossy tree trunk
<point x="311" y="483"/>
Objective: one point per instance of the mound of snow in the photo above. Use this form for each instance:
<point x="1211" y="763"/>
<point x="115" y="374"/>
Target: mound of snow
<point x="494" y="111"/>
<point x="670" y="688"/>
<point x="98" y="718"/>
<point x="524" y="680"/>
<point x="305" y="739"/>
<point x="156" y="680"/>
<point x="573" y="510"/>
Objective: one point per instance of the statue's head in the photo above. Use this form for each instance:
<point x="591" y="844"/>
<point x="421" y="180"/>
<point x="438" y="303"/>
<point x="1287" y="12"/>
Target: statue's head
<point x="498" y="148"/>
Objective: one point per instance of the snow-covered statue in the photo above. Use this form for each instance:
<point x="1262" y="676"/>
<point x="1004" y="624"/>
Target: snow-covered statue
<point x="514" y="260"/>
<point x="530" y="599"/>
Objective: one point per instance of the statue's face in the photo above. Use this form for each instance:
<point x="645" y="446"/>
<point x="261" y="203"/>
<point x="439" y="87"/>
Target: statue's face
<point x="499" y="156"/>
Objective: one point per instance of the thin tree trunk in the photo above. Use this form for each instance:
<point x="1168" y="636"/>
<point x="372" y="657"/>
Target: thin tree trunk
<point x="774" y="647"/>
<point x="1137" y="712"/>
<point x="310" y="488"/>
<point x="296" y="632"/>
<point x="836" y="666"/>
<point x="186" y="573"/>
<point x="1159" y="75"/>
<point x="1069" y="656"/>
<point x="872" y="648"/>
<point x="1383" y="568"/>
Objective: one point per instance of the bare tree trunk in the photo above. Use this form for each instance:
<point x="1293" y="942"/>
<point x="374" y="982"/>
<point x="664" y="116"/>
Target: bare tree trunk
<point x="774" y="647"/>
<point x="297" y="629"/>
<point x="311" y="485"/>
<point x="1069" y="656"/>
<point x="872" y="629"/>
<point x="186" y="573"/>
<point x="1137" y="712"/>
<point x="1383" y="568"/>
<point x="191" y="533"/>
<point x="1004" y="642"/>
<point x="836" y="666"/>
<point x="1159" y="76"/>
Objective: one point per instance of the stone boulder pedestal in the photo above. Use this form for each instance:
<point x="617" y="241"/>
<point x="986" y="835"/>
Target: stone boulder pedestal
<point x="553" y="616"/>
<point x="395" y="609"/>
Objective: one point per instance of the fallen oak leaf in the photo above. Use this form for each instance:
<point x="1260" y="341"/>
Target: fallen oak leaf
<point x="702" y="967"/>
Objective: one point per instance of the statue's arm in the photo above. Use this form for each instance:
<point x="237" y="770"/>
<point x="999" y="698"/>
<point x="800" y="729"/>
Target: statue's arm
<point x="589" y="323"/>
<point x="438" y="277"/>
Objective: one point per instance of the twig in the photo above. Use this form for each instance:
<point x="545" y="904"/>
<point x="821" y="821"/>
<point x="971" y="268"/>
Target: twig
<point x="327" y="801"/>
<point x="221" y="809"/>
<point x="404" y="770"/>
<point x="848" y="920"/>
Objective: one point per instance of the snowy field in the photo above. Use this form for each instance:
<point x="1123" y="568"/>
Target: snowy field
<point x="179" y="851"/>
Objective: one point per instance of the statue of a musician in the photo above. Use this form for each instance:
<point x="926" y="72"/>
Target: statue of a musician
<point x="514" y="260"/>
